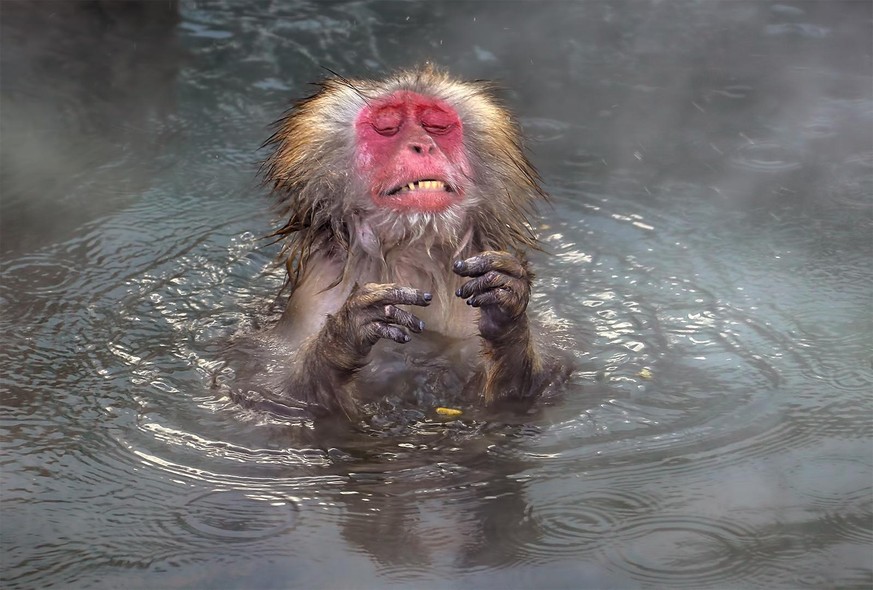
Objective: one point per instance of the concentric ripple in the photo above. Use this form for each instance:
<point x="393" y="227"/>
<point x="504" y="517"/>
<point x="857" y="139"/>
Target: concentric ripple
<point x="582" y="523"/>
<point x="682" y="550"/>
<point x="565" y="528"/>
<point x="840" y="485"/>
<point x="832" y="481"/>
<point x="766" y="156"/>
<point x="238" y="516"/>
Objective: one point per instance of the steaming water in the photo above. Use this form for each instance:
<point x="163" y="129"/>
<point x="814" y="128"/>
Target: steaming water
<point x="709" y="268"/>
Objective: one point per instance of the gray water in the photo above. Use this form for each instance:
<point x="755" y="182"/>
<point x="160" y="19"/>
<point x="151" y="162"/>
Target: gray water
<point x="708" y="267"/>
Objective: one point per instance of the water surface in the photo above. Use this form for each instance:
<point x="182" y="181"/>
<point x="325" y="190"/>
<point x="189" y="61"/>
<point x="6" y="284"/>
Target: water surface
<point x="708" y="268"/>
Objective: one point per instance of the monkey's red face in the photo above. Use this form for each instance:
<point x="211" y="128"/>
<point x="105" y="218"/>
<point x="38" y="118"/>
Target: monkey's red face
<point x="410" y="150"/>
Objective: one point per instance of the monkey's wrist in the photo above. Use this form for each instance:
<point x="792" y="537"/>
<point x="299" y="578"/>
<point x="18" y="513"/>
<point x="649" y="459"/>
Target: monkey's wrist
<point x="336" y="350"/>
<point x="506" y="332"/>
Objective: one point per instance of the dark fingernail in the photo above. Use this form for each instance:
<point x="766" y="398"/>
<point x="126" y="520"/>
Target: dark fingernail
<point x="406" y="338"/>
<point x="458" y="265"/>
<point x="427" y="296"/>
<point x="420" y="325"/>
<point x="458" y="292"/>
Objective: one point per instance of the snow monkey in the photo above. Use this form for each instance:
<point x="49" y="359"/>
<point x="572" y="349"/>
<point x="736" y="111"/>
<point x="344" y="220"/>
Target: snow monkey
<point x="406" y="205"/>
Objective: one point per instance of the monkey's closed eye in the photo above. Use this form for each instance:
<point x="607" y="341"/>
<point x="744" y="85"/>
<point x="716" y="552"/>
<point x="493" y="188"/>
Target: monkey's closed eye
<point x="386" y="131"/>
<point x="437" y="129"/>
<point x="387" y="121"/>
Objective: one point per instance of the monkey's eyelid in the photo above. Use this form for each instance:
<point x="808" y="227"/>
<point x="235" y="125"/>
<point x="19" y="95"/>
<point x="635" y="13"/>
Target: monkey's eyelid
<point x="386" y="131"/>
<point x="438" y="129"/>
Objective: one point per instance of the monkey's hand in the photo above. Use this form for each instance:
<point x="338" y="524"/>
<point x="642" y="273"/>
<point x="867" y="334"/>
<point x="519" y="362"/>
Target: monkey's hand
<point x="500" y="289"/>
<point x="369" y="313"/>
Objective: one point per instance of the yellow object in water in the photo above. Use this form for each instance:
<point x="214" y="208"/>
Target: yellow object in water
<point x="448" y="412"/>
<point x="645" y="373"/>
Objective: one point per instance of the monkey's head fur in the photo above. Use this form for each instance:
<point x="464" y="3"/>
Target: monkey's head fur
<point x="327" y="204"/>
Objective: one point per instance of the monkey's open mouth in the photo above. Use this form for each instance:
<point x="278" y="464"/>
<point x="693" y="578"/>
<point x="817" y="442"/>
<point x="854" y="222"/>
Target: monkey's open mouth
<point x="419" y="185"/>
<point x="427" y="195"/>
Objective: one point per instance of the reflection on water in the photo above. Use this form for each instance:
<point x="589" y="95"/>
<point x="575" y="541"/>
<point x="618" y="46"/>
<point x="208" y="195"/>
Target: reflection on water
<point x="709" y="255"/>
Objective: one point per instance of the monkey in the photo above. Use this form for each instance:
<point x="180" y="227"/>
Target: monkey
<point x="406" y="204"/>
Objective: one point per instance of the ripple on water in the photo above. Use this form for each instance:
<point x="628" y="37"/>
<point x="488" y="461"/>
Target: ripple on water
<point x="541" y="129"/>
<point x="681" y="550"/>
<point x="172" y="449"/>
<point x="574" y="526"/>
<point x="852" y="527"/>
<point x="238" y="516"/>
<point x="853" y="182"/>
<point x="766" y="156"/>
<point x="38" y="274"/>
<point x="852" y="378"/>
<point x="840" y="485"/>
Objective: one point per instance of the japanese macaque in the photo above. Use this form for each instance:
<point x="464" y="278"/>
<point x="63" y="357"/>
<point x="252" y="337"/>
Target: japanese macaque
<point x="407" y="203"/>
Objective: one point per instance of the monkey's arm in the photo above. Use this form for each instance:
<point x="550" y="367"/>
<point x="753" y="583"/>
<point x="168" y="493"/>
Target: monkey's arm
<point x="500" y="288"/>
<point x="326" y="363"/>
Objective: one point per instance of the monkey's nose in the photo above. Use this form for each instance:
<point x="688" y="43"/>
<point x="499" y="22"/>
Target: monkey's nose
<point x="422" y="146"/>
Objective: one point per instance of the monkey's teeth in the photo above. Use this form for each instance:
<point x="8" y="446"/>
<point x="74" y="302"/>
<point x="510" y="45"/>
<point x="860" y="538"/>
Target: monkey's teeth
<point x="431" y="185"/>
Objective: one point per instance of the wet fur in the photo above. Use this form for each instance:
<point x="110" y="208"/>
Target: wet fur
<point x="325" y="204"/>
<point x="335" y="237"/>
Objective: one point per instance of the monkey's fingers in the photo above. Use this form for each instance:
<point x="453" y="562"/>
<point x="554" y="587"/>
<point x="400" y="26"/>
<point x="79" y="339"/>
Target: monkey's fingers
<point x="490" y="280"/>
<point x="392" y="294"/>
<point x="490" y="260"/>
<point x="383" y="330"/>
<point x="401" y="317"/>
<point x="407" y="296"/>
<point x="510" y="298"/>
<point x="495" y="297"/>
